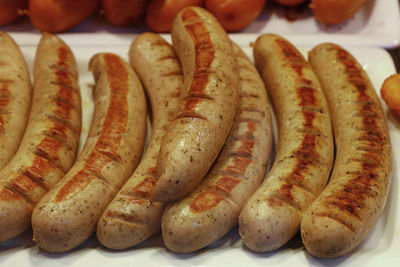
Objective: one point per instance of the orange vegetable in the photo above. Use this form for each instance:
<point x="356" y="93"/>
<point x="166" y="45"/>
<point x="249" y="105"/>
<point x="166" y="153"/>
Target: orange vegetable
<point x="161" y="13"/>
<point x="335" y="11"/>
<point x="235" y="15"/>
<point x="9" y="10"/>
<point x="290" y="2"/>
<point x="390" y="92"/>
<point x="60" y="15"/>
<point x="123" y="13"/>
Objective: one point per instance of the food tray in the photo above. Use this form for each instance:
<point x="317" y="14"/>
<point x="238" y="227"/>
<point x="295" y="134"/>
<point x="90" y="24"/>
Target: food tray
<point x="381" y="247"/>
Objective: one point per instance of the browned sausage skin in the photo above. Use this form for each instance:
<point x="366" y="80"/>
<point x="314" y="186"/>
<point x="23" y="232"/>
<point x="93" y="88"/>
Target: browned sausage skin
<point x="68" y="214"/>
<point x="347" y="210"/>
<point x="210" y="98"/>
<point x="51" y="139"/>
<point x="131" y="217"/>
<point x="304" y="158"/>
<point x="211" y="210"/>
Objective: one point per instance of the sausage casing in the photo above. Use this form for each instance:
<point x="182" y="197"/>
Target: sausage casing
<point x="15" y="97"/>
<point x="212" y="209"/>
<point x="347" y="210"/>
<point x="304" y="157"/>
<point x="50" y="142"/>
<point x="68" y="214"/>
<point x="209" y="101"/>
<point x="131" y="217"/>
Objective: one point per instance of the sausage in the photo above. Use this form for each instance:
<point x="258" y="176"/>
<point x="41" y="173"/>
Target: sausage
<point x="304" y="157"/>
<point x="131" y="217"/>
<point x="15" y="97"/>
<point x="212" y="209"/>
<point x="347" y="210"/>
<point x="209" y="100"/>
<point x="67" y="215"/>
<point x="50" y="142"/>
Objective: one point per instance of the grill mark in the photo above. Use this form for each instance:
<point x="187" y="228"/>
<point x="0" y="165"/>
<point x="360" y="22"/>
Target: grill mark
<point x="132" y="219"/>
<point x="357" y="188"/>
<point x="5" y="99"/>
<point x="152" y="171"/>
<point x="56" y="119"/>
<point x="274" y="202"/>
<point x="64" y="96"/>
<point x="128" y="198"/>
<point x="305" y="155"/>
<point x="13" y="194"/>
<point x="62" y="68"/>
<point x="204" y="56"/>
<point x="172" y="73"/>
<point x="112" y="129"/>
<point x="284" y="195"/>
<point x="192" y="97"/>
<point x="226" y="184"/>
<point x="299" y="182"/>
<point x="63" y="54"/>
<point x="306" y="96"/>
<point x="373" y="149"/>
<point x="7" y="195"/>
<point x="66" y="85"/>
<point x="310" y="131"/>
<point x="144" y="188"/>
<point x="335" y="218"/>
<point x="58" y="132"/>
<point x="296" y="60"/>
<point x="39" y="169"/>
<point x="239" y="166"/>
<point x="206" y="200"/>
<point x="22" y="185"/>
<point x="38" y="180"/>
<point x="48" y="149"/>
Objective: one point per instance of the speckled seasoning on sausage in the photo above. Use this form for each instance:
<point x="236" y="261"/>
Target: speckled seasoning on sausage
<point x="304" y="157"/>
<point x="212" y="209"/>
<point x="348" y="209"/>
<point x="131" y="217"/>
<point x="209" y="101"/>
<point x="67" y="215"/>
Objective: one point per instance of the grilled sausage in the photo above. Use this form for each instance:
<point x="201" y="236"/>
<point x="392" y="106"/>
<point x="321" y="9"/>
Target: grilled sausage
<point x="212" y="209"/>
<point x="49" y="145"/>
<point x="347" y="210"/>
<point x="304" y="156"/>
<point x="68" y="214"/>
<point x="210" y="98"/>
<point x="15" y="97"/>
<point x="132" y="217"/>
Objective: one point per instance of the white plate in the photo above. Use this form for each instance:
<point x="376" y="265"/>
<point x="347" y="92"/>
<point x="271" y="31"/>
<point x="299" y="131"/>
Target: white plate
<point x="375" y="24"/>
<point x="381" y="247"/>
